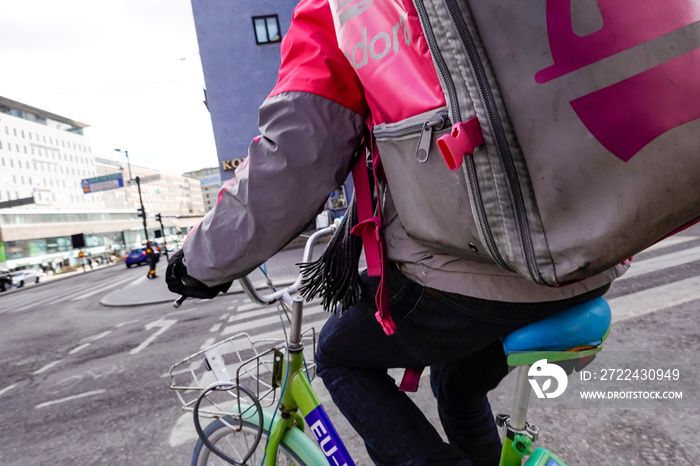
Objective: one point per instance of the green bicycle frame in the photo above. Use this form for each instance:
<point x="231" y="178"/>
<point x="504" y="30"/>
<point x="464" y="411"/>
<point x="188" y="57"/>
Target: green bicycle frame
<point x="298" y="402"/>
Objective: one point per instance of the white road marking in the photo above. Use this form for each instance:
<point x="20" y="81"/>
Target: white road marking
<point x="127" y="323"/>
<point x="655" y="299"/>
<point x="70" y="398"/>
<point x="194" y="366"/>
<point x="672" y="241"/>
<point x="55" y="296"/>
<point x="78" y="348"/>
<point x="46" y="367"/>
<point x="207" y="343"/>
<point x="163" y="324"/>
<point x="215" y="328"/>
<point x="181" y="311"/>
<point x="136" y="282"/>
<point x="244" y="326"/>
<point x="7" y="389"/>
<point x="263" y="311"/>
<point x="98" y="336"/>
<point x="662" y="262"/>
<point x="248" y="307"/>
<point x="224" y="317"/>
<point x="101" y="289"/>
<point x="183" y="432"/>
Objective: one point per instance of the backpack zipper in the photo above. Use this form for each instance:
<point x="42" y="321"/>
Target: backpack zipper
<point x="502" y="148"/>
<point x="469" y="168"/>
<point x="435" y="123"/>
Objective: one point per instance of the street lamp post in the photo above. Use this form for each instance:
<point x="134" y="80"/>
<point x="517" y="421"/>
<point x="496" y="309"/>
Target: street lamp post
<point x="159" y="219"/>
<point x="138" y="187"/>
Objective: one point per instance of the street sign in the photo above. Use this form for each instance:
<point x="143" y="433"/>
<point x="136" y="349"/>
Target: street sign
<point x="102" y="183"/>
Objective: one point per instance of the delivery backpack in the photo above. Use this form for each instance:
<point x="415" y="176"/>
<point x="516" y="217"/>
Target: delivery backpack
<point x="570" y="141"/>
<point x="571" y="136"/>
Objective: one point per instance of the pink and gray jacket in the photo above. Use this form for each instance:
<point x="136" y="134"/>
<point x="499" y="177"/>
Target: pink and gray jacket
<point x="418" y="72"/>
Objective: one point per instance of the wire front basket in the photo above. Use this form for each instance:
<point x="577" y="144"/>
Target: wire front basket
<point x="238" y="361"/>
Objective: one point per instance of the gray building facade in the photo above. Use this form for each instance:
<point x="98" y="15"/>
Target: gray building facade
<point x="48" y="195"/>
<point x="211" y="185"/>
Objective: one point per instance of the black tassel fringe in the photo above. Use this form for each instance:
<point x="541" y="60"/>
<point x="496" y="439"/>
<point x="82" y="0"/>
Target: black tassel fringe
<point x="335" y="276"/>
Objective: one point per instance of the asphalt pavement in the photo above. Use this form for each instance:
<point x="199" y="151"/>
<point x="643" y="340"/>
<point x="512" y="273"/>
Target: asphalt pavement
<point x="144" y="291"/>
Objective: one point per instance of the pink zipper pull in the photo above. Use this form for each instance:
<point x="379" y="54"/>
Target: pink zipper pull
<point x="462" y="140"/>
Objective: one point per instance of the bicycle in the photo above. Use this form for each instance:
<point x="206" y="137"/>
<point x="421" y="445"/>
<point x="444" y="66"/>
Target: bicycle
<point x="573" y="337"/>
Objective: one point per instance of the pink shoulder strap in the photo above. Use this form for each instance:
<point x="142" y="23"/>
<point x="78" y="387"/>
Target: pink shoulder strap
<point x="369" y="226"/>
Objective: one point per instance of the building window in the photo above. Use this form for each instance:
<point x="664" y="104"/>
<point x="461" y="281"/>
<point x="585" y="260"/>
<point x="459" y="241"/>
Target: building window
<point x="267" y="29"/>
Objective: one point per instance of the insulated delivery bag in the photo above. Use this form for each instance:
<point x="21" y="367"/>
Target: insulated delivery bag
<point x="572" y="128"/>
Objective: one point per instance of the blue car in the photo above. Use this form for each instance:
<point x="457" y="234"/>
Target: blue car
<point x="138" y="256"/>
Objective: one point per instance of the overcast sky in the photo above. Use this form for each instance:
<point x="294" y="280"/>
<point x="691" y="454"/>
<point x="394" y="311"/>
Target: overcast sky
<point x="128" y="68"/>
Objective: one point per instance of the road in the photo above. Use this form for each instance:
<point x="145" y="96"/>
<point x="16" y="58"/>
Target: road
<point x="87" y="384"/>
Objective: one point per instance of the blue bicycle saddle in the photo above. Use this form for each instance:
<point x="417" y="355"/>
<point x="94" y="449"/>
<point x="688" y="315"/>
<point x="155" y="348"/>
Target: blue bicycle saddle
<point x="584" y="324"/>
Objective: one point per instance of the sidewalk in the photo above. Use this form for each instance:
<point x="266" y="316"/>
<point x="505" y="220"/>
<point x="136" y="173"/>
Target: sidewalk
<point x="281" y="269"/>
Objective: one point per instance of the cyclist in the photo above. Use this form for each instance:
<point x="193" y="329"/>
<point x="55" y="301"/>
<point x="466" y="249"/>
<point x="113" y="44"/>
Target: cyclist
<point x="152" y="260"/>
<point x="450" y="313"/>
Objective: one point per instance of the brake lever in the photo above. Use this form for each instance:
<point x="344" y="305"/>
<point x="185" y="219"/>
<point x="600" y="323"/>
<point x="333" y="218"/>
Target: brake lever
<point x="178" y="302"/>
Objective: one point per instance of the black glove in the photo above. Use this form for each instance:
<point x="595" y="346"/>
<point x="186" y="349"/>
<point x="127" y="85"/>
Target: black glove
<point x="179" y="282"/>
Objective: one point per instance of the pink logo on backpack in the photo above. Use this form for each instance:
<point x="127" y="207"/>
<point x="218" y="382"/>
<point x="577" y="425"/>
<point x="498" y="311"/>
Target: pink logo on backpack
<point x="630" y="114"/>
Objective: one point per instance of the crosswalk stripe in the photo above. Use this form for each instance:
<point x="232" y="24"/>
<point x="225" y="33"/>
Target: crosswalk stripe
<point x="672" y="241"/>
<point x="70" y="398"/>
<point x="46" y="367"/>
<point x="7" y="389"/>
<point x="53" y="298"/>
<point x="248" y="307"/>
<point x="662" y="262"/>
<point x="260" y="312"/>
<point x="276" y="336"/>
<point x="263" y="310"/>
<point x="100" y="289"/>
<point x="655" y="299"/>
<point x="259" y="323"/>
<point x="38" y="301"/>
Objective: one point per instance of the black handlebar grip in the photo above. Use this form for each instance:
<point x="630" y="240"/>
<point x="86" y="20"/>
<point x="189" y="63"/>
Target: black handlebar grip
<point x="178" y="302"/>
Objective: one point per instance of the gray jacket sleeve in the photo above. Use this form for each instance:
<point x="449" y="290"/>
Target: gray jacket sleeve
<point x="303" y="154"/>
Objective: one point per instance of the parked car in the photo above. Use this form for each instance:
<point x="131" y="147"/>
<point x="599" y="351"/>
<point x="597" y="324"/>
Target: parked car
<point x="23" y="277"/>
<point x="5" y="280"/>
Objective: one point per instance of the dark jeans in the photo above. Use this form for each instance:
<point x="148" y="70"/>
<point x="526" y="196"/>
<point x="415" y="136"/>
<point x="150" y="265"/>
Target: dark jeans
<point x="457" y="336"/>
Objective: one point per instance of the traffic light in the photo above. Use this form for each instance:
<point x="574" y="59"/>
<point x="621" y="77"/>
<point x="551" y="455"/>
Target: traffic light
<point x="141" y="212"/>
<point x="158" y="217"/>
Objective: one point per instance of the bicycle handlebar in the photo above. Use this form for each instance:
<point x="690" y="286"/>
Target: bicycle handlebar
<point x="285" y="293"/>
<point x="178" y="302"/>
